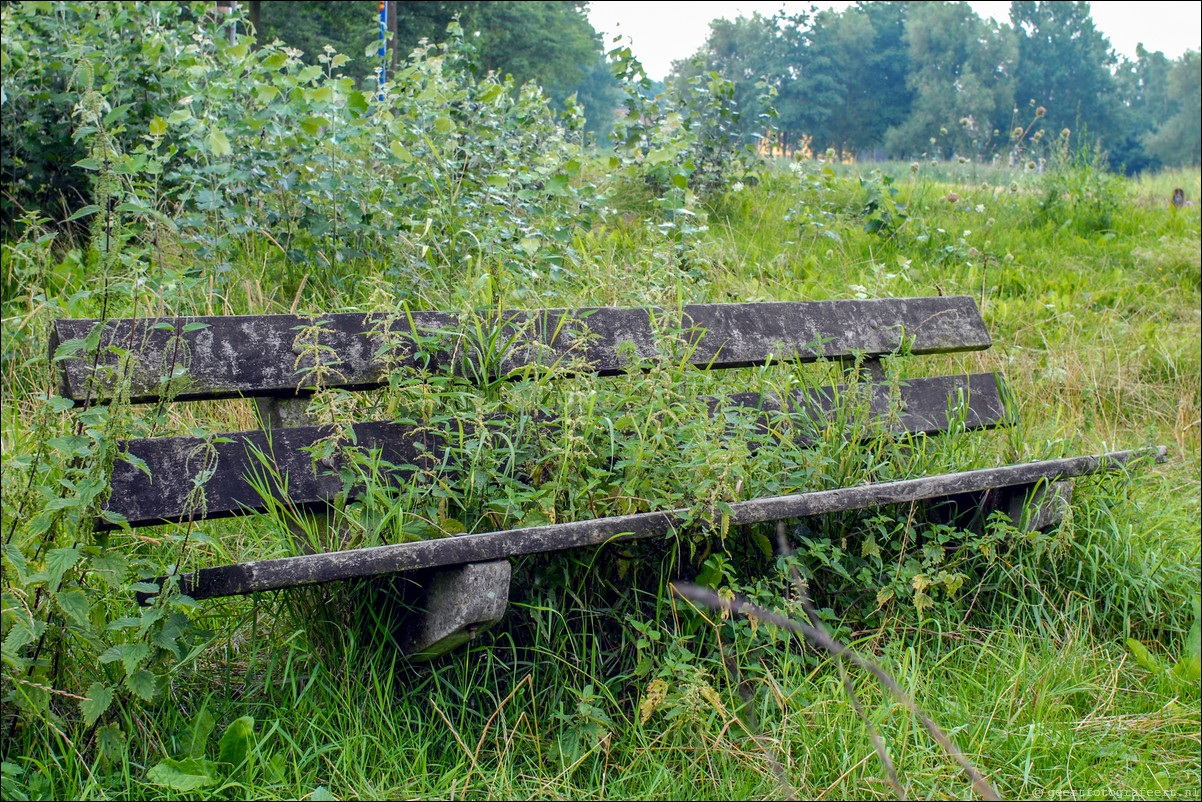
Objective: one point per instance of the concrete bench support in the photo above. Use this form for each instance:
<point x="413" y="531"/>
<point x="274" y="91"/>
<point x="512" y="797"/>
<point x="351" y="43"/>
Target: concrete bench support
<point x="459" y="603"/>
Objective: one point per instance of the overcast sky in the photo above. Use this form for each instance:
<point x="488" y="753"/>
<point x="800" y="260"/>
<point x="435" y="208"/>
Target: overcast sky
<point x="664" y="32"/>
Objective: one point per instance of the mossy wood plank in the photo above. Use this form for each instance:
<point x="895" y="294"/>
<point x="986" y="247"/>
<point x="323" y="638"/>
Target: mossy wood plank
<point x="282" y="464"/>
<point x="266" y="355"/>
<point x="251" y="577"/>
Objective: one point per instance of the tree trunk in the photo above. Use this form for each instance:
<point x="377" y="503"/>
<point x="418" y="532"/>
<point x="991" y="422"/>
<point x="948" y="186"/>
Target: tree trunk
<point x="254" y="18"/>
<point x="392" y="29"/>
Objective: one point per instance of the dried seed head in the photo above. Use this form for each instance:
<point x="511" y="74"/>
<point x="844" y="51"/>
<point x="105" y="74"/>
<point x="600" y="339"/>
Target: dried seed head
<point x="1014" y="186"/>
<point x="914" y="167"/>
<point x="942" y="132"/>
<point x="1017" y="133"/>
<point x="1065" y="133"/>
<point x="952" y="197"/>
<point x="1039" y="112"/>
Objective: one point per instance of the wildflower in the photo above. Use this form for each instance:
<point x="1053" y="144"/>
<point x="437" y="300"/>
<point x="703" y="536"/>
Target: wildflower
<point x="1042" y="110"/>
<point x="736" y="186"/>
<point x="914" y="167"/>
<point x="1017" y="133"/>
<point x="1038" y="135"/>
<point x="830" y="154"/>
<point x="942" y="132"/>
<point x="963" y="122"/>
<point x="830" y="253"/>
<point x="990" y="222"/>
<point x="1030" y="165"/>
<point x="1065" y="133"/>
<point x="1008" y="258"/>
<point x="934" y="162"/>
<point x="980" y="208"/>
<point x="933" y="140"/>
<point x="1014" y="186"/>
<point x="973" y="253"/>
<point x="952" y="197"/>
<point x="962" y="160"/>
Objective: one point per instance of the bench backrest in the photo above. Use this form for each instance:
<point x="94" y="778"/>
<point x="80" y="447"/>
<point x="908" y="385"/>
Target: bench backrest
<point x="191" y="358"/>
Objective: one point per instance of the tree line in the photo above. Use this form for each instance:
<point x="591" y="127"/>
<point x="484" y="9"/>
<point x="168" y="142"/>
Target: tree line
<point x="907" y="80"/>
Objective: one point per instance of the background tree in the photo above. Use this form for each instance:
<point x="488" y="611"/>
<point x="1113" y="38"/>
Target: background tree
<point x="550" y="42"/>
<point x="1065" y="64"/>
<point x="1178" y="140"/>
<point x="961" y="68"/>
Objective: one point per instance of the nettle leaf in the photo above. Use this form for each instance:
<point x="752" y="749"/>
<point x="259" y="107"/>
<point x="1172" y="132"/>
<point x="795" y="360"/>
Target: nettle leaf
<point x="112" y="564"/>
<point x="69" y="348"/>
<point x="74" y="603"/>
<point x="143" y="683"/>
<point x="58" y="562"/>
<point x="99" y="698"/>
<point x="16" y="559"/>
<point x="131" y="655"/>
<point x="236" y="741"/>
<point x="183" y="775"/>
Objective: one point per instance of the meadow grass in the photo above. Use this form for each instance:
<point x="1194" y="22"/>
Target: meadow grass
<point x="601" y="684"/>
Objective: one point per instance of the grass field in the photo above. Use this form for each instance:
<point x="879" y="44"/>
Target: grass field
<point x="599" y="683"/>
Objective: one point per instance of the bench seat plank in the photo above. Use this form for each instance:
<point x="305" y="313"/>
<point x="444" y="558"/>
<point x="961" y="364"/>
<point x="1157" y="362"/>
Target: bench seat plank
<point x="252" y="577"/>
<point x="257" y="355"/>
<point x="167" y="494"/>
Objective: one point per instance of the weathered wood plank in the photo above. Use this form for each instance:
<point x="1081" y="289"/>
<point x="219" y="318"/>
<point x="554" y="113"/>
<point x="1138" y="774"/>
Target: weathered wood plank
<point x="169" y="494"/>
<point x="266" y="355"/>
<point x="252" y="577"/>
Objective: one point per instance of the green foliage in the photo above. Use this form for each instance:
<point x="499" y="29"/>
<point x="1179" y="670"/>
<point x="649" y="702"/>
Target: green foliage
<point x="262" y="183"/>
<point x="1187" y="671"/>
<point x="1079" y="193"/>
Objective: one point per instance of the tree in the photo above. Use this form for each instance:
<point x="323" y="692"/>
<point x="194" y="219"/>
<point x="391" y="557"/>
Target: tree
<point x="1178" y="140"/>
<point x="961" y="75"/>
<point x="751" y="52"/>
<point x="550" y="42"/>
<point x="1064" y="64"/>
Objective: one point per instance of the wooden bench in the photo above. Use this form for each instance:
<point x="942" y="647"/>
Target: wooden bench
<point x="276" y="360"/>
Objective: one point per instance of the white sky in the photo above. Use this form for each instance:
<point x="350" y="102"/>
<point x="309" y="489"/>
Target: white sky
<point x="662" y="32"/>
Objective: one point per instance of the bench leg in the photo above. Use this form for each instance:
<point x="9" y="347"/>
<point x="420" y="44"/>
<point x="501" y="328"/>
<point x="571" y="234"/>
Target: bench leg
<point x="1038" y="507"/>
<point x="459" y="603"/>
<point x="1029" y="507"/>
